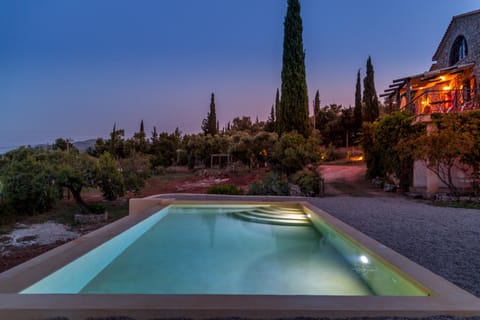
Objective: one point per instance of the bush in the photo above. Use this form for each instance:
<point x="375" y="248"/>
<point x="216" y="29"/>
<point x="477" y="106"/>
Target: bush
<point x="225" y="189"/>
<point x="292" y="152"/>
<point x="97" y="208"/>
<point x="272" y="185"/>
<point x="255" y="189"/>
<point x="310" y="182"/>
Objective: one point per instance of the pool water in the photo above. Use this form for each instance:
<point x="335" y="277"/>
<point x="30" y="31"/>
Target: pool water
<point x="220" y="250"/>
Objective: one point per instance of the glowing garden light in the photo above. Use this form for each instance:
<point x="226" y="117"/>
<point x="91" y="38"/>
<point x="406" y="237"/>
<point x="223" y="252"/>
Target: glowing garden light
<point x="364" y="259"/>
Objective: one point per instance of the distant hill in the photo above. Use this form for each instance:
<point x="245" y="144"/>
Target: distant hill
<point x="82" y="146"/>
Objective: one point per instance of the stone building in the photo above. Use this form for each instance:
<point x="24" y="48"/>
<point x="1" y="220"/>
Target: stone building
<point x="451" y="85"/>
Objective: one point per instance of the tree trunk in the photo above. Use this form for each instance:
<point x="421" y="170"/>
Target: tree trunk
<point x="78" y="199"/>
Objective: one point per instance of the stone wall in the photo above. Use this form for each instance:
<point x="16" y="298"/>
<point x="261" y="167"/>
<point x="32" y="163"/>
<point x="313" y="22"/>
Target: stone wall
<point x="469" y="27"/>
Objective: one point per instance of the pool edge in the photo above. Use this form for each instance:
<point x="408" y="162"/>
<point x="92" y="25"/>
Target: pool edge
<point x="450" y="299"/>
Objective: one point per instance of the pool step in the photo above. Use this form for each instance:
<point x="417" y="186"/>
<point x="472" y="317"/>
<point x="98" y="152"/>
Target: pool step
<point x="275" y="215"/>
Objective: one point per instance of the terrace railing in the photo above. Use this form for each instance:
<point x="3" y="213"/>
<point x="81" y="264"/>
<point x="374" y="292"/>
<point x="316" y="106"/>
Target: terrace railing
<point x="445" y="101"/>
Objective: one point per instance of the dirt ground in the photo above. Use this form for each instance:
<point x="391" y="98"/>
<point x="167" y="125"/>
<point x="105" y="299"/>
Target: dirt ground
<point x="339" y="180"/>
<point x="348" y="180"/>
<point x="181" y="181"/>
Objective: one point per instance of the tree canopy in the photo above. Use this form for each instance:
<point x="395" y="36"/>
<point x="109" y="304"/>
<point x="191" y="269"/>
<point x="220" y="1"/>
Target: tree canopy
<point x="371" y="107"/>
<point x="209" y="124"/>
<point x="293" y="111"/>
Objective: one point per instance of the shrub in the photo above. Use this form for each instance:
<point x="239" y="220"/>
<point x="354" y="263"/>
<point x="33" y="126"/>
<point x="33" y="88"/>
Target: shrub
<point x="255" y="189"/>
<point x="310" y="182"/>
<point x="97" y="208"/>
<point x="292" y="152"/>
<point x="272" y="185"/>
<point x="225" y="189"/>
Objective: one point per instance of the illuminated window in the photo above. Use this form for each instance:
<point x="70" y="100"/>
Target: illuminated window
<point x="459" y="50"/>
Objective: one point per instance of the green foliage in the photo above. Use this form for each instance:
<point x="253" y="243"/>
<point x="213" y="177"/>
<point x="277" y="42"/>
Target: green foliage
<point x="357" y="110"/>
<point x="241" y="147"/>
<point x="272" y="184"/>
<point x="277" y="110"/>
<point x="372" y="152"/>
<point x="388" y="132"/>
<point x="225" y="189"/>
<point x="163" y="149"/>
<point x="255" y="189"/>
<point x="135" y="171"/>
<point x="74" y="172"/>
<point x="63" y="145"/>
<point x="453" y="142"/>
<point x="201" y="147"/>
<point x="329" y="154"/>
<point x="138" y="143"/>
<point x="97" y="208"/>
<point x="28" y="182"/>
<point x="316" y="107"/>
<point x="209" y="125"/>
<point x="116" y="145"/>
<point x="270" y="125"/>
<point x="244" y="124"/>
<point x="292" y="152"/>
<point x="309" y="181"/>
<point x="466" y="124"/>
<point x="293" y="111"/>
<point x="371" y="106"/>
<point x="109" y="178"/>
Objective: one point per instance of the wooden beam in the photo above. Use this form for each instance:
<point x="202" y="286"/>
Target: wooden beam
<point x="398" y="85"/>
<point x="387" y="94"/>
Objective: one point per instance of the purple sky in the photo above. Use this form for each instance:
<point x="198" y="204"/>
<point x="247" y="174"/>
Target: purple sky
<point x="72" y="68"/>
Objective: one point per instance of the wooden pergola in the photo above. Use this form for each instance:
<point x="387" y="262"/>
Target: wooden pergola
<point x="219" y="157"/>
<point x="432" y="90"/>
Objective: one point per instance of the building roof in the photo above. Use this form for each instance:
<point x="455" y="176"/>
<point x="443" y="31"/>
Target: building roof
<point x="455" y="18"/>
<point x="426" y="78"/>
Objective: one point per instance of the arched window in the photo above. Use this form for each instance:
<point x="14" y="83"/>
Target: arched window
<point x="459" y="50"/>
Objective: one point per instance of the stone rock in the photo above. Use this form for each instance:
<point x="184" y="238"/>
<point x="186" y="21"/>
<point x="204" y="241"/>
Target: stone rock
<point x="91" y="218"/>
<point x="31" y="238"/>
<point x="5" y="239"/>
<point x="295" y="190"/>
<point x="377" y="182"/>
<point x="388" y="187"/>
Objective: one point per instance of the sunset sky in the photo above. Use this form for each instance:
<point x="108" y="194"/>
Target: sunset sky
<point x="72" y="68"/>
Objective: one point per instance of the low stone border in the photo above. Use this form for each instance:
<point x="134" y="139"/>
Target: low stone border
<point x="91" y="218"/>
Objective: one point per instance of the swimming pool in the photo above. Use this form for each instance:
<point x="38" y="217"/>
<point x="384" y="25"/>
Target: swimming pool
<point x="204" y="259"/>
<point x="229" y="249"/>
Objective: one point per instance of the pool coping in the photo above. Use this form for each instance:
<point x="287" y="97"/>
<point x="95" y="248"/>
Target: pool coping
<point x="447" y="299"/>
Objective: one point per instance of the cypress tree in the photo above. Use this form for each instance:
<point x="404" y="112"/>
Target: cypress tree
<point x="370" y="100"/>
<point x="277" y="109"/>
<point x="293" y="113"/>
<point x="209" y="125"/>
<point x="142" y="128"/>
<point x="316" y="108"/>
<point x="357" y="110"/>
<point x="270" y="124"/>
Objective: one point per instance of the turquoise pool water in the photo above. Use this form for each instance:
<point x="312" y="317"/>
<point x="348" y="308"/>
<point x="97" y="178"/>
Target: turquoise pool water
<point x="228" y="250"/>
